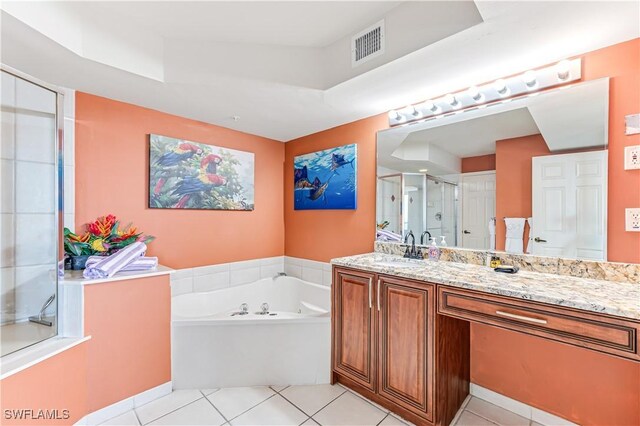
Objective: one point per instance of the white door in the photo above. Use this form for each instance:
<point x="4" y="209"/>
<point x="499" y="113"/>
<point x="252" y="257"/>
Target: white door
<point x="478" y="207"/>
<point x="569" y="205"/>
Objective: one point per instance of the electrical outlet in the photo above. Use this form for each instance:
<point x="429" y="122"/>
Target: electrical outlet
<point x="632" y="220"/>
<point x="632" y="157"/>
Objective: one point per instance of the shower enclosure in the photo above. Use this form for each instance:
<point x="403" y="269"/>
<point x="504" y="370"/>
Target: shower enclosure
<point x="420" y="203"/>
<point x="31" y="172"/>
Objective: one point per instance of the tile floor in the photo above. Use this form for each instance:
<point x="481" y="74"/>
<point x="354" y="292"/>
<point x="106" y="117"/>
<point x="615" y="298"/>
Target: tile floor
<point x="291" y="405"/>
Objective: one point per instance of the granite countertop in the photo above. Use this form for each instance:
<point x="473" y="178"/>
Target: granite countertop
<point x="606" y="297"/>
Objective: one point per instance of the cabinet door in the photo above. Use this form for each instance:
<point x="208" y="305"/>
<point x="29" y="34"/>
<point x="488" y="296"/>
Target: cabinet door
<point x="406" y="339"/>
<point x="353" y="326"/>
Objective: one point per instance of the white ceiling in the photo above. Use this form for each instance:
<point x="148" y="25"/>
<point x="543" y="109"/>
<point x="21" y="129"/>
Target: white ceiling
<point x="280" y="66"/>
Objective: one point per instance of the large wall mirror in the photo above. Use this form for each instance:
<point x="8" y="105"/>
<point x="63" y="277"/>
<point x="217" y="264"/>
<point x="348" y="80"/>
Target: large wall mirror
<point x="523" y="176"/>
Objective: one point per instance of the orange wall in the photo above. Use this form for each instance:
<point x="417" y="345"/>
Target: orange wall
<point x="514" y="180"/>
<point x="130" y="348"/>
<point x="480" y="163"/>
<point x="59" y="382"/>
<point x="112" y="150"/>
<point x="324" y="234"/>
<point x="513" y="364"/>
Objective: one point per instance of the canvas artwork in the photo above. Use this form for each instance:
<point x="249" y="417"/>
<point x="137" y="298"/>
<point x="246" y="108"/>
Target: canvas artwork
<point x="325" y="180"/>
<point x="191" y="175"/>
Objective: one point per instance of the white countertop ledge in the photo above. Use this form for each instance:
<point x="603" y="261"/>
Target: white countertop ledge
<point x="28" y="357"/>
<point x="76" y="278"/>
<point x="599" y="296"/>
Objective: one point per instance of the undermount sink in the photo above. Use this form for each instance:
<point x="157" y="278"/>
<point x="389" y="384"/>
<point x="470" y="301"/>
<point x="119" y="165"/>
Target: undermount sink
<point x="400" y="264"/>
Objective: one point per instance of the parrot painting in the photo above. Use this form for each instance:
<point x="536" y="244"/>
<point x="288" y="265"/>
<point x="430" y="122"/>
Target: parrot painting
<point x="206" y="180"/>
<point x="180" y="153"/>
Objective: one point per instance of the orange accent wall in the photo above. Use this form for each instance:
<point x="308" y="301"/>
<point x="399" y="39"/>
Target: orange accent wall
<point x="514" y="180"/>
<point x="59" y="382"/>
<point x="586" y="387"/>
<point x="480" y="163"/>
<point x="130" y="348"/>
<point x="112" y="161"/>
<point x="537" y="372"/>
<point x="324" y="234"/>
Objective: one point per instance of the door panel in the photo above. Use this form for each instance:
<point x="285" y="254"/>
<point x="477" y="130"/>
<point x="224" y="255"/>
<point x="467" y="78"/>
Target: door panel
<point x="353" y="331"/>
<point x="569" y="205"/>
<point x="478" y="207"/>
<point x="405" y="332"/>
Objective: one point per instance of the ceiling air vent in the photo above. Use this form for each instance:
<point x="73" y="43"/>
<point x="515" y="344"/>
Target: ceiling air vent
<point x="367" y="44"/>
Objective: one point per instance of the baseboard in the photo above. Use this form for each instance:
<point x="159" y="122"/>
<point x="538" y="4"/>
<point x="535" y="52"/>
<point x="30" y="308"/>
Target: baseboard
<point x="102" y="415"/>
<point x="520" y="408"/>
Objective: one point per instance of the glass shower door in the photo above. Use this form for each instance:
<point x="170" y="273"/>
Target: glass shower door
<point x="30" y="206"/>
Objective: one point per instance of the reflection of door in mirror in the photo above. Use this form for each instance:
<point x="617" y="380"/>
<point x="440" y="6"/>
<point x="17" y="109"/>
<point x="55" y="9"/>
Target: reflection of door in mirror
<point x="389" y="204"/>
<point x="478" y="208"/>
<point x="414" y="217"/>
<point x="569" y="205"/>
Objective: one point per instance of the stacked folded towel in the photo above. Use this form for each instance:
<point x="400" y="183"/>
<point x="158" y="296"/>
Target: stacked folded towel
<point x="384" y="235"/>
<point x="129" y="258"/>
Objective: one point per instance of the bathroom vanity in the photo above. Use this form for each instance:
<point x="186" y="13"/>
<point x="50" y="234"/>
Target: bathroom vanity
<point x="400" y="328"/>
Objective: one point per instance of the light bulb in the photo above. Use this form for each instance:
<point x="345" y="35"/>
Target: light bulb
<point x="563" y="68"/>
<point x="431" y="106"/>
<point x="530" y="80"/>
<point x="475" y="94"/>
<point x="501" y="87"/>
<point x="395" y="116"/>
<point x="453" y="101"/>
<point x="412" y="110"/>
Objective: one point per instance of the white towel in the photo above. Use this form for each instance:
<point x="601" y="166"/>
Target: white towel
<point x="528" y="247"/>
<point x="492" y="233"/>
<point x="515" y="234"/>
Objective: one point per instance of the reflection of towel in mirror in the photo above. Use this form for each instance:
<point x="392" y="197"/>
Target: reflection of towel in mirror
<point x="527" y="249"/>
<point x="515" y="234"/>
<point x="385" y="235"/>
<point x="492" y="233"/>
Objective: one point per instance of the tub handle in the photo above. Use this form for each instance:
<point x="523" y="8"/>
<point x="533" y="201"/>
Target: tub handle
<point x="370" y="285"/>
<point x="244" y="308"/>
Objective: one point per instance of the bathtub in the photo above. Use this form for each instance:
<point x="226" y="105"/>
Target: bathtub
<point x="291" y="346"/>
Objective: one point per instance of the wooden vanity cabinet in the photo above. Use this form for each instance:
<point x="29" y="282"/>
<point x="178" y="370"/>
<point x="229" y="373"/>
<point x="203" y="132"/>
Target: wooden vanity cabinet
<point x="388" y="344"/>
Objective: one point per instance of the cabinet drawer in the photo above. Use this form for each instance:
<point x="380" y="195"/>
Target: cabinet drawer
<point x="598" y="332"/>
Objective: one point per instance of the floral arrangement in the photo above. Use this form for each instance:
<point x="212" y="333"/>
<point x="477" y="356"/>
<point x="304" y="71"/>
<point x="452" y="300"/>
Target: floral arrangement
<point x="104" y="236"/>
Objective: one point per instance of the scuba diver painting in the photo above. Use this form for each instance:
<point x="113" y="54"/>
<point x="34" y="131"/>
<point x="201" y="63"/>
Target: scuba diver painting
<point x="191" y="175"/>
<point x="326" y="180"/>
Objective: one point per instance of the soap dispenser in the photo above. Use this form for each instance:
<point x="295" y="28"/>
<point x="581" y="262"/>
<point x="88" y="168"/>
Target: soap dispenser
<point x="443" y="242"/>
<point x="434" y="251"/>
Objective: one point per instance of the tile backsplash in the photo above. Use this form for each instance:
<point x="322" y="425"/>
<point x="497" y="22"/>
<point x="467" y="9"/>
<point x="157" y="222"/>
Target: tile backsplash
<point x="610" y="271"/>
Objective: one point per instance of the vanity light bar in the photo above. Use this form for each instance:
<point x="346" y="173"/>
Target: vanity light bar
<point x="529" y="83"/>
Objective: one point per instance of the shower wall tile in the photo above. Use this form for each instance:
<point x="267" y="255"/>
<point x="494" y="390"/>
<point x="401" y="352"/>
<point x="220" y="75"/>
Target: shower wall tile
<point x="8" y="85"/>
<point x="32" y="195"/>
<point x="244" y="276"/>
<point x="35" y="137"/>
<point x="7" y="295"/>
<point x="7" y="185"/>
<point x="7" y="137"/>
<point x="33" y="246"/>
<point x="7" y="240"/>
<point x="181" y="286"/>
<point x="32" y="97"/>
<point x="34" y="284"/>
<point x="211" y="282"/>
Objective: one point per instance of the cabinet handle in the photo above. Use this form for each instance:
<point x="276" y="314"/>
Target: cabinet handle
<point x="521" y="317"/>
<point x="378" y="294"/>
<point x="370" y="284"/>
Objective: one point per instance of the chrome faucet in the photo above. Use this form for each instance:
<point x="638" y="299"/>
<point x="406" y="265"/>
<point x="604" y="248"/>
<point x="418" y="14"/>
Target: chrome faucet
<point x="422" y="237"/>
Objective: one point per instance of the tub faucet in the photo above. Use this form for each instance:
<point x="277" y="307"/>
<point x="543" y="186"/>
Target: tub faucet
<point x="422" y="237"/>
<point x="279" y="274"/>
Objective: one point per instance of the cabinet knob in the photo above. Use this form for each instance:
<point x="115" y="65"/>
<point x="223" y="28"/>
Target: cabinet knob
<point x="466" y="232"/>
<point x="539" y="240"/>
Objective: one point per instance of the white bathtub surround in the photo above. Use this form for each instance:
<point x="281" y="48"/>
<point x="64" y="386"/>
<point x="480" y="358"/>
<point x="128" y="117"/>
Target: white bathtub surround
<point x="224" y="275"/>
<point x="308" y="270"/>
<point x="212" y="349"/>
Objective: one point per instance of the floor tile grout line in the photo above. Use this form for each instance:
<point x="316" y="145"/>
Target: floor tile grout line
<point x="383" y="419"/>
<point x="483" y="417"/>
<point x="379" y="407"/>
<point x="214" y="407"/>
<point x="137" y="417"/>
<point x="321" y="408"/>
<point x="298" y="408"/>
<point x="252" y="407"/>
<point x="172" y="411"/>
